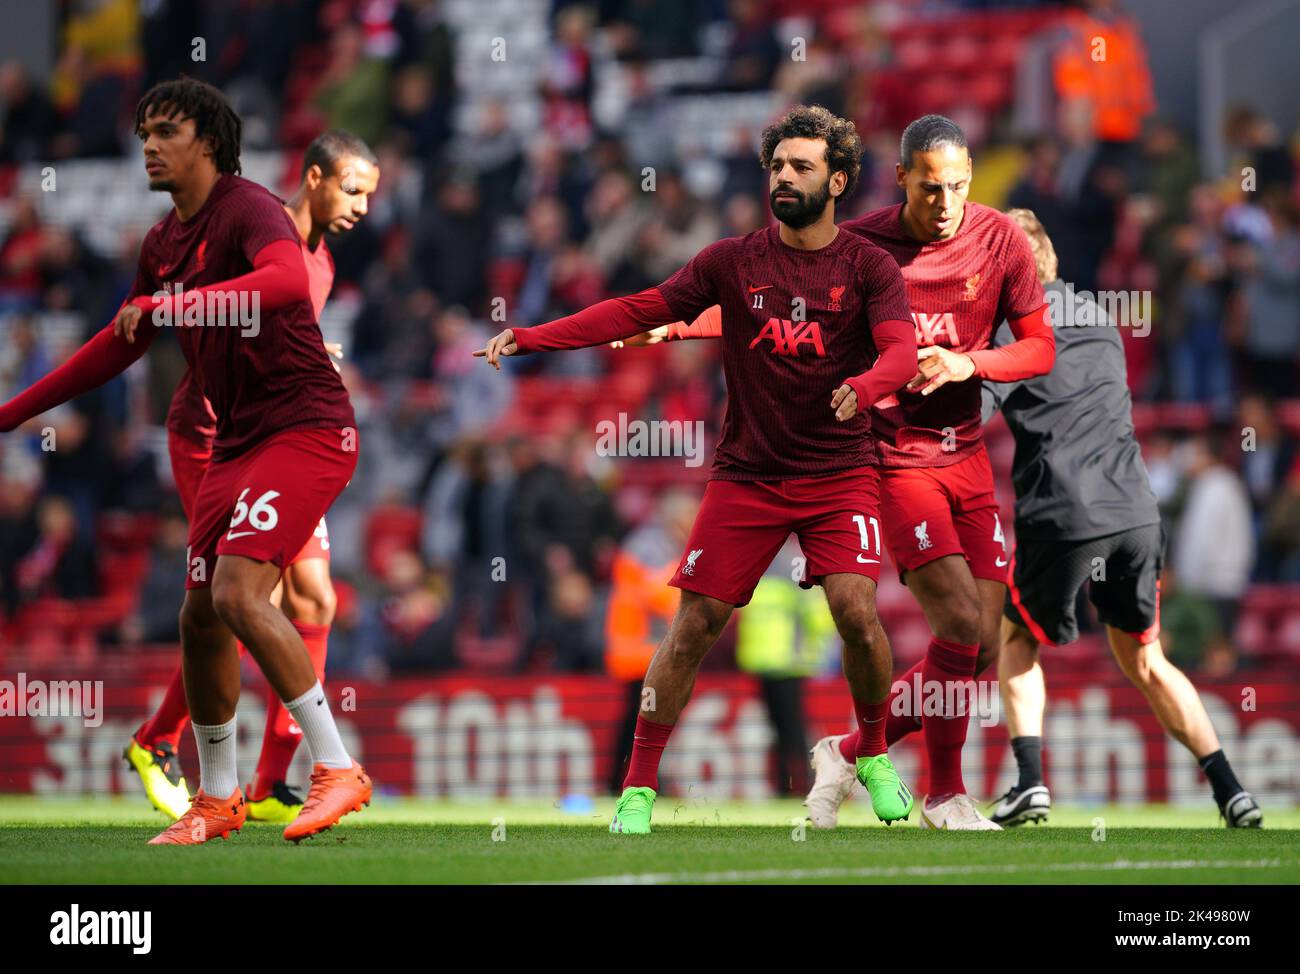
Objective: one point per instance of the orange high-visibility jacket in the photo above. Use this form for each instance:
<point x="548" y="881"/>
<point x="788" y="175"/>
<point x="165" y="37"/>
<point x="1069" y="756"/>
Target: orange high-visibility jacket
<point x="1105" y="62"/>
<point x="641" y="606"/>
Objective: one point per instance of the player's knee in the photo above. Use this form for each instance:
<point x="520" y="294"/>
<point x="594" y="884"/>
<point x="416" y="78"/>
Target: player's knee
<point x="198" y="615"/>
<point x="698" y="628"/>
<point x="857" y="622"/>
<point x="959" y="621"/>
<point x="231" y="600"/>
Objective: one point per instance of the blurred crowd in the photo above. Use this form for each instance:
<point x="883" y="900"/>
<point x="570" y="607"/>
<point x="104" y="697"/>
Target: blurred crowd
<point x="471" y="538"/>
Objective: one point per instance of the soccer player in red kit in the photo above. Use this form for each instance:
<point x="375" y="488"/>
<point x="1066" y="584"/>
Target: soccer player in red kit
<point x="967" y="267"/>
<point x="806" y="311"/>
<point x="339" y="173"/>
<point x="225" y="268"/>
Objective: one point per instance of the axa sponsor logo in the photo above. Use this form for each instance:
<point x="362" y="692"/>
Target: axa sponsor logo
<point x="789" y="337"/>
<point x="936" y="329"/>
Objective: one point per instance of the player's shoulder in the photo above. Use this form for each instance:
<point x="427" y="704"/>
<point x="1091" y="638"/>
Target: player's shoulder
<point x="242" y="198"/>
<point x="995" y="230"/>
<point x="879" y="224"/>
<point x="754" y="242"/>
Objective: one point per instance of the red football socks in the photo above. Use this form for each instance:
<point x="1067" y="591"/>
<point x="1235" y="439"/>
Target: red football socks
<point x="647" y="748"/>
<point x="870" y="731"/>
<point x="950" y="666"/>
<point x="169" y="719"/>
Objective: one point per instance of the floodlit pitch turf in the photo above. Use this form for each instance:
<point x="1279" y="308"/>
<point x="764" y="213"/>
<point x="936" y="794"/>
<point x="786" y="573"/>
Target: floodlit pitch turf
<point x="413" y="841"/>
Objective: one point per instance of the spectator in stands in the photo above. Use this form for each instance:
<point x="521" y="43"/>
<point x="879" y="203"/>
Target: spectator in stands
<point x="1169" y="173"/>
<point x="420" y="117"/>
<point x="560" y="517"/>
<point x="1282" y="528"/>
<point x="29" y="122"/>
<point x="1039" y="190"/>
<point x="451" y="246"/>
<point x="568" y="636"/>
<point x="468" y="401"/>
<point x="1260" y="147"/>
<point x="1200" y="366"/>
<point x="653" y="28"/>
<point x="754" y="52"/>
<point x="23" y="356"/>
<point x="1267" y="451"/>
<point x="1189" y="625"/>
<point x="18" y="527"/>
<point x="567" y="82"/>
<point x="411" y="628"/>
<point x="1214" y="544"/>
<point x="617" y="212"/>
<point x="20" y="259"/>
<point x="1102" y="62"/>
<point x="642" y="606"/>
<point x="494" y="154"/>
<point x="353" y="92"/>
<point x="1091" y="187"/>
<point x="680" y="227"/>
<point x="1163" y="470"/>
<point x="61" y="562"/>
<point x="75" y="278"/>
<point x="465" y="517"/>
<point x="155" y="619"/>
<point x="1270" y="284"/>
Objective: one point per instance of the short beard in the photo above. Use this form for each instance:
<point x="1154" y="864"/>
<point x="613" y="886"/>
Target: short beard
<point x="804" y="212"/>
<point x="162" y="185"/>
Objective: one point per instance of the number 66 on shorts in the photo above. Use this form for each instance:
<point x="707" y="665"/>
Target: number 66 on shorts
<point x="266" y="504"/>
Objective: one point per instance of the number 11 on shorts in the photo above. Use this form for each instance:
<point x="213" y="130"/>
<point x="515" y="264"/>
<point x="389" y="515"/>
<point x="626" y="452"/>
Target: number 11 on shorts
<point x="862" y="523"/>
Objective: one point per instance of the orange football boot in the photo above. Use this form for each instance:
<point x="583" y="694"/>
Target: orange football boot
<point x="207" y="818"/>
<point x="334" y="792"/>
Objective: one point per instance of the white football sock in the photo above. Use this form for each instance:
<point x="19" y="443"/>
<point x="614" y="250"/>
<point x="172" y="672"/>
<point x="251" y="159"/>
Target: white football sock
<point x="218" y="775"/>
<point x="312" y="712"/>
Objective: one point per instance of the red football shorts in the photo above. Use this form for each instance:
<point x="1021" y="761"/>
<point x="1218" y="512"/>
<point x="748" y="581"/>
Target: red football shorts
<point x="190" y="458"/>
<point x="742" y="524"/>
<point x="930" y="512"/>
<point x="269" y="503"/>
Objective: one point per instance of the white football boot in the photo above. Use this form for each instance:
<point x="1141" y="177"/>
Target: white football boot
<point x="833" y="782"/>
<point x="958" y="813"/>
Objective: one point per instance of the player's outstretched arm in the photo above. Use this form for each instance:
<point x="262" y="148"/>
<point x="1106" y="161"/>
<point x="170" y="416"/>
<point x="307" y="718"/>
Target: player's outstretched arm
<point x="707" y="325"/>
<point x="895" y="363"/>
<point x="100" y="359"/>
<point x="602" y="323"/>
<point x="278" y="278"/>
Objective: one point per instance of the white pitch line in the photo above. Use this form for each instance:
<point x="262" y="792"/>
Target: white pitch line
<point x="886" y="872"/>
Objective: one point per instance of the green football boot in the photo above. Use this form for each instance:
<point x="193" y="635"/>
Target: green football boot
<point x="890" y="798"/>
<point x="632" y="813"/>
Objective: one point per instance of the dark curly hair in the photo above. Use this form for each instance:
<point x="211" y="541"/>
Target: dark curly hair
<point x="214" y="119"/>
<point x="843" y="147"/>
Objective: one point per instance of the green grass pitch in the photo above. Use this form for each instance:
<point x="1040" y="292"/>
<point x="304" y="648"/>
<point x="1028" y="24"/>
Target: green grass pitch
<point x="695" y="841"/>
